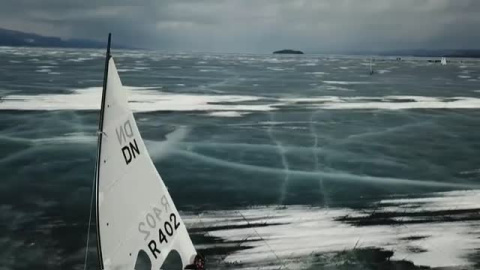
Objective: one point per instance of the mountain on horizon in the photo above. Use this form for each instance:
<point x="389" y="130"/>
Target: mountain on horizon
<point x="22" y="39"/>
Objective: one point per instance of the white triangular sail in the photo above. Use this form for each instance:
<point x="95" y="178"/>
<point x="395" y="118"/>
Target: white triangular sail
<point x="444" y="60"/>
<point x="134" y="209"/>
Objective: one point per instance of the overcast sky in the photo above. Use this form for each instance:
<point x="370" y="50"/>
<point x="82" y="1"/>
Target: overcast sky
<point x="254" y="25"/>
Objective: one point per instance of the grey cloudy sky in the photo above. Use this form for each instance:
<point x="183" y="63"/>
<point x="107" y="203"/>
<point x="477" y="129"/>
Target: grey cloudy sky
<point x="255" y="25"/>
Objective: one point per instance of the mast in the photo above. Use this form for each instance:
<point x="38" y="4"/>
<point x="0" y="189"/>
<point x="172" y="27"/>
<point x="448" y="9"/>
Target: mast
<point x="371" y="66"/>
<point x="99" y="145"/>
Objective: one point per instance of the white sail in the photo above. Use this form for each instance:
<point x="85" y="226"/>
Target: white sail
<point x="134" y="209"/>
<point x="444" y="61"/>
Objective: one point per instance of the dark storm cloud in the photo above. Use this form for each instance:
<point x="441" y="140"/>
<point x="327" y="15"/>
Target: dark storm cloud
<point x="255" y="25"/>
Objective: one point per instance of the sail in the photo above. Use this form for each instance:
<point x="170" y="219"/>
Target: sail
<point x="134" y="209"/>
<point x="444" y="61"/>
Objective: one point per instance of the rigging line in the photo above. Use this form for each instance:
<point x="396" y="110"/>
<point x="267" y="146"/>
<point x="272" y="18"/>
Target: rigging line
<point x="207" y="233"/>
<point x="244" y="240"/>
<point x="89" y="225"/>
<point x="202" y="224"/>
<point x="240" y="243"/>
<point x="263" y="239"/>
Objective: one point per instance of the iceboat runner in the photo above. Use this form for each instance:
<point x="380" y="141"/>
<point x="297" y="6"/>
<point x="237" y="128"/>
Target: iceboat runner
<point x="134" y="211"/>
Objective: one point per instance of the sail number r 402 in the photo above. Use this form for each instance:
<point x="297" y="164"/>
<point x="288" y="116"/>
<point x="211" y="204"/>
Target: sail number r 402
<point x="166" y="228"/>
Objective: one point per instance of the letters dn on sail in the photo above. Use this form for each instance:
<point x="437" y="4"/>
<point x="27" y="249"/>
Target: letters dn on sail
<point x="125" y="138"/>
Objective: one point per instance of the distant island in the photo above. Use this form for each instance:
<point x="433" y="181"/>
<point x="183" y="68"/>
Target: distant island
<point x="287" y="51"/>
<point x="21" y="39"/>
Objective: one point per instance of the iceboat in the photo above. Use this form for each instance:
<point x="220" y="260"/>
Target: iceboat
<point x="134" y="211"/>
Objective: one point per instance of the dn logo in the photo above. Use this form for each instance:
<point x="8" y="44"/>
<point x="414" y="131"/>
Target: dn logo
<point x="124" y="136"/>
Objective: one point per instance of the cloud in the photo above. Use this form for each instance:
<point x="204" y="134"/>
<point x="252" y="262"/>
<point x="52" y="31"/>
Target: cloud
<point x="255" y="25"/>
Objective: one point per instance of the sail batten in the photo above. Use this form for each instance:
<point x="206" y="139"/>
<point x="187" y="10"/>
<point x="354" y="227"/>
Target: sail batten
<point x="134" y="209"/>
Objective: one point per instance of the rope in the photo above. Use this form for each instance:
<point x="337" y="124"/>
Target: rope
<point x="263" y="239"/>
<point x="89" y="224"/>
